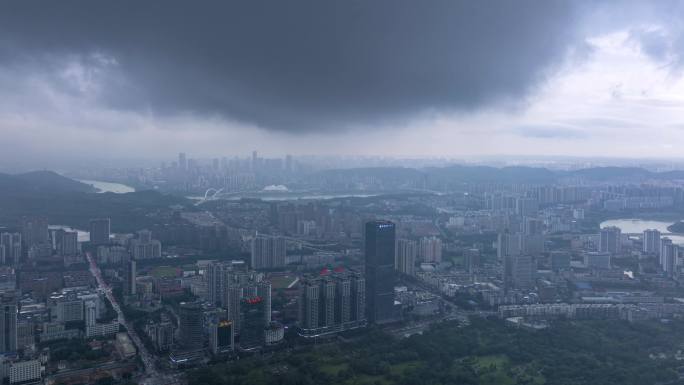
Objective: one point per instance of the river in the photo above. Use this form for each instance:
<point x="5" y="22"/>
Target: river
<point x="104" y="187"/>
<point x="635" y="225"/>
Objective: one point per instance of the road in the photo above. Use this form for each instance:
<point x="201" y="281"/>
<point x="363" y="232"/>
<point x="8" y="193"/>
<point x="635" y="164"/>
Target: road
<point x="151" y="376"/>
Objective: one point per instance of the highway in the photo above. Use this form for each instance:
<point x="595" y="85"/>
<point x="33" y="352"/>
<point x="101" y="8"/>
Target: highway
<point x="151" y="376"/>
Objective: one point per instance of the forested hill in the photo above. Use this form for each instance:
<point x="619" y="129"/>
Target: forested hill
<point x="68" y="202"/>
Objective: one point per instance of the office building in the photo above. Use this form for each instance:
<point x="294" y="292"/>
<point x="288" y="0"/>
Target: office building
<point x="252" y="315"/>
<point x="268" y="252"/>
<point x="610" y="240"/>
<point x="8" y="322"/>
<point x="651" y="242"/>
<point x="191" y="331"/>
<point x="222" y="335"/>
<point x="430" y="249"/>
<point x="100" y="231"/>
<point x="380" y="241"/>
<point x="407" y="251"/>
<point x="130" y="276"/>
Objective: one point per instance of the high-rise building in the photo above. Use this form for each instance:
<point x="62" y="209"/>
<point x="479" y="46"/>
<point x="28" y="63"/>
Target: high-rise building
<point x="669" y="253"/>
<point x="10" y="248"/>
<point x="190" y="325"/>
<point x="523" y="271"/>
<point x="182" y="161"/>
<point x="380" y="241"/>
<point x="144" y="247"/>
<point x="471" y="259"/>
<point x="268" y="252"/>
<point x="651" y="241"/>
<point x="331" y="303"/>
<point x="216" y="279"/>
<point x="407" y="251"/>
<point x="90" y="312"/>
<point x="100" y="231"/>
<point x="508" y="244"/>
<point x="66" y="242"/>
<point x="252" y="315"/>
<point x="130" y="276"/>
<point x="222" y="336"/>
<point x="430" y="249"/>
<point x="610" y="240"/>
<point x="34" y="231"/>
<point x="8" y="322"/>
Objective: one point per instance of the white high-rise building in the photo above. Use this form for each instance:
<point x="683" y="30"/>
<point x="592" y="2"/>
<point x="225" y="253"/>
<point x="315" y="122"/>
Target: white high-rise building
<point x="406" y="256"/>
<point x="90" y="313"/>
<point x="268" y="252"/>
<point x="669" y="253"/>
<point x="651" y="241"/>
<point x="430" y="249"/>
<point x="508" y="244"/>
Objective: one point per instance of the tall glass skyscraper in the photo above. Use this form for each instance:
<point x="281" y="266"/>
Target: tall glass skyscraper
<point x="380" y="237"/>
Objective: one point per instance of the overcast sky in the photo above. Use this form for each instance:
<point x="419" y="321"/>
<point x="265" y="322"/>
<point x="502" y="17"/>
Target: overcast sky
<point x="116" y="79"/>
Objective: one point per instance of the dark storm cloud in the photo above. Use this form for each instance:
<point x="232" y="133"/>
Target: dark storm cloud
<point x="299" y="65"/>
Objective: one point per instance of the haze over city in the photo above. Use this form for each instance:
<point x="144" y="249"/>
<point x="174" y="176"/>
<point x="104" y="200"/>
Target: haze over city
<point x="340" y="192"/>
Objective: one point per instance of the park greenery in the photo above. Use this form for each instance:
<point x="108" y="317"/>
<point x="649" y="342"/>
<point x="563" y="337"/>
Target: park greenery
<point x="487" y="352"/>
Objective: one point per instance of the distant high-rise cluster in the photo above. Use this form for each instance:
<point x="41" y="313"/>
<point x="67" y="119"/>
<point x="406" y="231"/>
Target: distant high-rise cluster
<point x="332" y="302"/>
<point x="268" y="252"/>
<point x="430" y="249"/>
<point x="144" y="247"/>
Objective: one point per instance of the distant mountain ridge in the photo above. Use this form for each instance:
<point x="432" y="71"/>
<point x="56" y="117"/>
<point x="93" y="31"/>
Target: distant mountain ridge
<point x="50" y="180"/>
<point x="510" y="174"/>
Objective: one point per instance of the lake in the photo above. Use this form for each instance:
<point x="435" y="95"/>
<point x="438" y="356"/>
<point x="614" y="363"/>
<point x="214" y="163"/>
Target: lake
<point x="104" y="187"/>
<point x="634" y="225"/>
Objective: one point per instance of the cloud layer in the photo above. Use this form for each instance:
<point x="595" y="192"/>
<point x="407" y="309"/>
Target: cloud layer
<point x="295" y="65"/>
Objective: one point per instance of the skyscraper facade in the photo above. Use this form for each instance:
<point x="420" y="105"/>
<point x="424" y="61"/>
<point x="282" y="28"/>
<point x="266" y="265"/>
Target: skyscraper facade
<point x="190" y="325"/>
<point x="8" y="322"/>
<point x="610" y="240"/>
<point x="100" y="231"/>
<point x="34" y="231"/>
<point x="10" y="248"/>
<point x="268" y="252"/>
<point x="430" y="249"/>
<point x="651" y="241"/>
<point x="406" y="256"/>
<point x="380" y="240"/>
